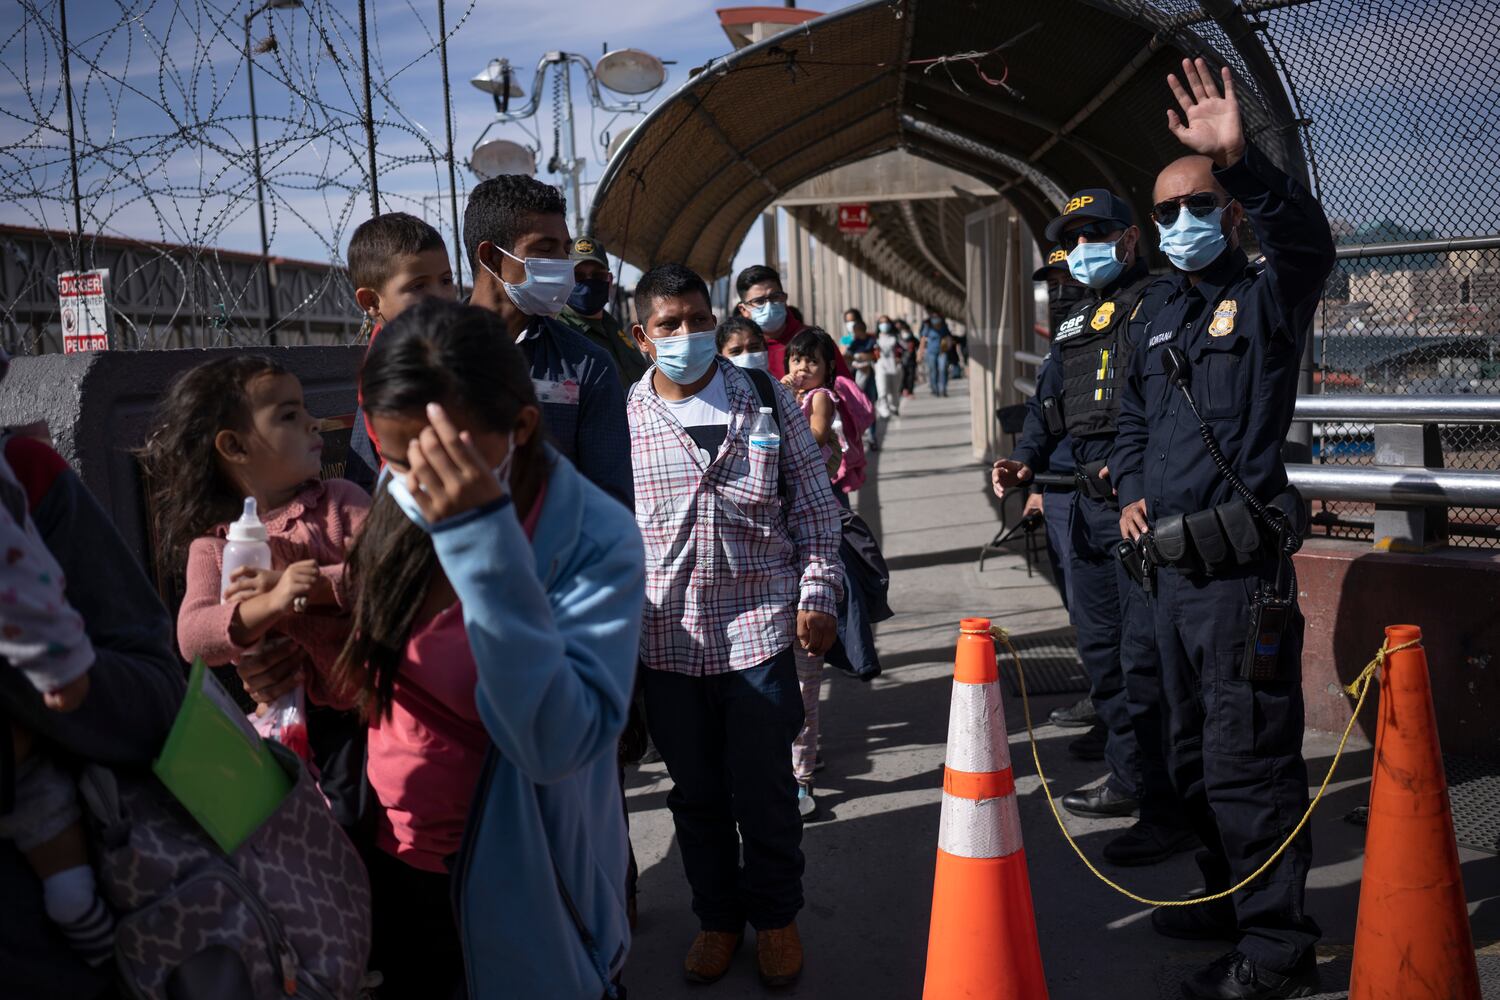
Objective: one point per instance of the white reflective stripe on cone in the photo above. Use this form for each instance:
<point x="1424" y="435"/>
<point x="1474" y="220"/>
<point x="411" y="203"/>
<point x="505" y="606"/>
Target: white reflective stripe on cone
<point x="976" y="729"/>
<point x="989" y="828"/>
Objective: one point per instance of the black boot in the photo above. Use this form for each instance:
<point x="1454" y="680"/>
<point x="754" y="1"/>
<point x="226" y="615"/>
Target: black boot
<point x="1235" y="977"/>
<point x="1079" y="715"/>
<point x="1148" y="843"/>
<point x="1103" y="800"/>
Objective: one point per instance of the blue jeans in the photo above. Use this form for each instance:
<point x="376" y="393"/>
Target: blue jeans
<point x="727" y="743"/>
<point x="937" y="372"/>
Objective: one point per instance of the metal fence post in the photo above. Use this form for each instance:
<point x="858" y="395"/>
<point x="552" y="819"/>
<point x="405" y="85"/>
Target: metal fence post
<point x="1409" y="527"/>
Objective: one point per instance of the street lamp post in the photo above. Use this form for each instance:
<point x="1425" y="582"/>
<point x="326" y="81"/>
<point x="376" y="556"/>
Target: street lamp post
<point x="268" y="326"/>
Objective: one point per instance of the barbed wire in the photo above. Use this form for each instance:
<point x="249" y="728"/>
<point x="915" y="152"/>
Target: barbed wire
<point x="166" y="180"/>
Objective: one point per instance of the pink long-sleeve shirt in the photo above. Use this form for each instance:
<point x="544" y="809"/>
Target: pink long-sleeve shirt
<point x="319" y="524"/>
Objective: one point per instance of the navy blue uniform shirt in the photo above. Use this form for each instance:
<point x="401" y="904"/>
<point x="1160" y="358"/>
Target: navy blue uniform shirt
<point x="1243" y="328"/>
<point x="1037" y="445"/>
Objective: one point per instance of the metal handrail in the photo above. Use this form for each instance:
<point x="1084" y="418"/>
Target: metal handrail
<point x="1027" y="358"/>
<point x="1397" y="409"/>
<point x="1397" y="484"/>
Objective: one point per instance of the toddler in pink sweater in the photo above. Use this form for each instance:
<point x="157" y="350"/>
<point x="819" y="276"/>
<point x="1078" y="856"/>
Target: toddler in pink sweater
<point x="235" y="428"/>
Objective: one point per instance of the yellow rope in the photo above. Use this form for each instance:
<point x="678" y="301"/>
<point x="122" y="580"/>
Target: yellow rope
<point x="1359" y="687"/>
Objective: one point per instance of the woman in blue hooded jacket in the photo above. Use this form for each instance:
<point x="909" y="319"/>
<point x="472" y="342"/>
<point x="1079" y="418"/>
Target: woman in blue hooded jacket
<point x="497" y="613"/>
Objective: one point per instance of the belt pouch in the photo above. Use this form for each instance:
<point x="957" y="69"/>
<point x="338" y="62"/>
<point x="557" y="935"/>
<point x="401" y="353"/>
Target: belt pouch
<point x="1171" y="541"/>
<point x="1208" y="538"/>
<point x="1095" y="485"/>
<point x="1241" y="531"/>
<point x="1052" y="416"/>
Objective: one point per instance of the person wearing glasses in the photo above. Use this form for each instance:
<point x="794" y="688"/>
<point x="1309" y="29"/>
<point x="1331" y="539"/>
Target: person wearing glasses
<point x="1078" y="395"/>
<point x="764" y="300"/>
<point x="1230" y="333"/>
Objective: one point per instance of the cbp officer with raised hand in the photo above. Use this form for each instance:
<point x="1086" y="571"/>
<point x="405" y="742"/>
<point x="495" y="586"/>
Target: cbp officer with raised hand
<point x="1199" y="470"/>
<point x="1077" y="395"/>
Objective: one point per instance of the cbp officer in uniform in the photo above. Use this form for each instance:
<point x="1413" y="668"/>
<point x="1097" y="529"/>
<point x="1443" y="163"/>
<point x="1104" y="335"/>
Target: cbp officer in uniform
<point x="1231" y="334"/>
<point x="1055" y="503"/>
<point x="1077" y="394"/>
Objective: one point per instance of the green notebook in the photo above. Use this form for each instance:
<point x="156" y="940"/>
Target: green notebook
<point x="217" y="766"/>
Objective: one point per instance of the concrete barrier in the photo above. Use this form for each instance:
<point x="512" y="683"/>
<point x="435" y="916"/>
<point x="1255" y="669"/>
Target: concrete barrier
<point x="98" y="407"/>
<point x="1349" y="593"/>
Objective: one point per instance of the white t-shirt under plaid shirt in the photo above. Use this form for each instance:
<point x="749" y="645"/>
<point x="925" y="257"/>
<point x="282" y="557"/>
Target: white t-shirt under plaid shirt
<point x="734" y="548"/>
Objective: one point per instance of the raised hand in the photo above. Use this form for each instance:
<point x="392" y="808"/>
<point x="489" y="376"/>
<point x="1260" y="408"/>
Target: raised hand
<point x="1210" y="121"/>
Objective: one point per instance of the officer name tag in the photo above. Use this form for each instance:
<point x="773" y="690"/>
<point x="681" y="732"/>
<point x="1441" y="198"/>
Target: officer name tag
<point x="1161" y="338"/>
<point x="1069" y="328"/>
<point x="548" y="391"/>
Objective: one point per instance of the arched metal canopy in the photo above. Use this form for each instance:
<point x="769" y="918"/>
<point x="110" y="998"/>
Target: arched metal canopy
<point x="1080" y="102"/>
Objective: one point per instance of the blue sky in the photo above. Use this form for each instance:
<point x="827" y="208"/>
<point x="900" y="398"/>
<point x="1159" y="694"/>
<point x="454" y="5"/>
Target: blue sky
<point x="162" y="97"/>
<point x="1403" y="130"/>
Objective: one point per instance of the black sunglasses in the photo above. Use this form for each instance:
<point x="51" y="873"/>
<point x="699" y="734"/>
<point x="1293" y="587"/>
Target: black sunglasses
<point x="1202" y="205"/>
<point x="1103" y="227"/>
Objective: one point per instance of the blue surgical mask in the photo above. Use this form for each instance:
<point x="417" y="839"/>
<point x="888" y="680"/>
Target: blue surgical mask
<point x="1095" y="264"/>
<point x="685" y="357"/>
<point x="884" y="327"/>
<point x="752" y="359"/>
<point x="546" y="289"/>
<point x="770" y="317"/>
<point x="849" y="326"/>
<point x="1191" y="243"/>
<point x="590" y="296"/>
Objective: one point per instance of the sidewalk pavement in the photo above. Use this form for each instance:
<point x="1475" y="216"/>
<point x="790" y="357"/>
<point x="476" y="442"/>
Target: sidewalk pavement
<point x="871" y="847"/>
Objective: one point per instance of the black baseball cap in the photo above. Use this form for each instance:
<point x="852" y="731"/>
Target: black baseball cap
<point x="1090" y="203"/>
<point x="1057" y="260"/>
<point x="588" y="248"/>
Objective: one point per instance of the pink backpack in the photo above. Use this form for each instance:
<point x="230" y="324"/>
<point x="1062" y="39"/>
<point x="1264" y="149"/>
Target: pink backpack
<point x="857" y="414"/>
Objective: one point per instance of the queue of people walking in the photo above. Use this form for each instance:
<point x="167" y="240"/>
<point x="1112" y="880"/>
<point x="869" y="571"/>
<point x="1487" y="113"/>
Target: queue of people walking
<point x="558" y="534"/>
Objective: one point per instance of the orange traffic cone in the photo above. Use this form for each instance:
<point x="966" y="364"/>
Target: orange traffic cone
<point x="1413" y="940"/>
<point x="983" y="942"/>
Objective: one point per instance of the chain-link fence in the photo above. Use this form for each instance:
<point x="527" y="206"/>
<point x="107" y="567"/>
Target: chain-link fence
<point x="135" y="129"/>
<point x="1397" y="100"/>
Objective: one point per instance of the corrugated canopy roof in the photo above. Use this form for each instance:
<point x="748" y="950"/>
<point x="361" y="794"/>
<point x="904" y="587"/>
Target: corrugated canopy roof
<point x="1035" y="99"/>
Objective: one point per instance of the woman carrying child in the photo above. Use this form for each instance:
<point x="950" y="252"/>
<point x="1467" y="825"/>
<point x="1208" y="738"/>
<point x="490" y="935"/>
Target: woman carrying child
<point x="497" y="609"/>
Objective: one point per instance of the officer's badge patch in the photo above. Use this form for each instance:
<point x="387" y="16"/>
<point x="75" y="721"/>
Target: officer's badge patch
<point x="1103" y="316"/>
<point x="1223" y="324"/>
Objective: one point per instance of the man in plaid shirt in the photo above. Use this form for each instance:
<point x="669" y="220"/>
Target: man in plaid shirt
<point x="741" y="561"/>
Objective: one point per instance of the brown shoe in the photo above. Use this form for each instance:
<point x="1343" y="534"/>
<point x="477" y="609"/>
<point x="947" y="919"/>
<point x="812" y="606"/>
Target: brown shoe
<point x="709" y="957"/>
<point x="780" y="955"/>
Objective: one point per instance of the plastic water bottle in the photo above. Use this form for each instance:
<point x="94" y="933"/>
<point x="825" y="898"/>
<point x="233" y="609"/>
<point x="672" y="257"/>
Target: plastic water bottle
<point x="764" y="435"/>
<point x="285" y="719"/>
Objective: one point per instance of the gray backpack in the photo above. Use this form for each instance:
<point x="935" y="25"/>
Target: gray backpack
<point x="287" y="913"/>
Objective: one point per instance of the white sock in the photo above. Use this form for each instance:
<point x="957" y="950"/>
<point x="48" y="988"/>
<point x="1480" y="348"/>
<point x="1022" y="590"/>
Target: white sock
<point x="73" y="903"/>
<point x="69" y="894"/>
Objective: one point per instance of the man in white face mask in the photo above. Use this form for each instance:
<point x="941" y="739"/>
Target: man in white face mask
<point x="516" y="235"/>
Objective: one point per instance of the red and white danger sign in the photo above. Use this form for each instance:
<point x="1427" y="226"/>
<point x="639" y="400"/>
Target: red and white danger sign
<point x="82" y="298"/>
<point x="854" y="219"/>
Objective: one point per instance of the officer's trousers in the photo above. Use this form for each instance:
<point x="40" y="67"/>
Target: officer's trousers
<point x="1235" y="755"/>
<point x="1057" y="510"/>
<point x="1098" y="582"/>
